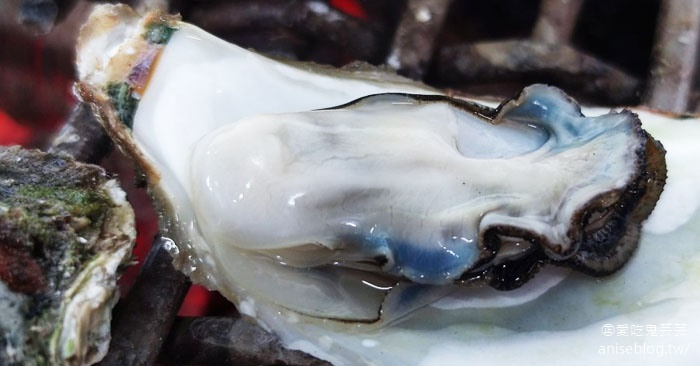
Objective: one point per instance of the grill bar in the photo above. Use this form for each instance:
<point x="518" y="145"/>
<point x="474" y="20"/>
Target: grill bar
<point x="142" y="321"/>
<point x="547" y="56"/>
<point x="527" y="61"/>
<point x="556" y="21"/>
<point x="231" y="340"/>
<point x="675" y="56"/>
<point x="305" y="23"/>
<point x="416" y="36"/>
<point x="82" y="137"/>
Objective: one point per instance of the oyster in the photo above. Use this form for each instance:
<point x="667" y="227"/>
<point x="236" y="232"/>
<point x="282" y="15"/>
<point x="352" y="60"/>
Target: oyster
<point x="65" y="228"/>
<point x="291" y="233"/>
<point x="397" y="190"/>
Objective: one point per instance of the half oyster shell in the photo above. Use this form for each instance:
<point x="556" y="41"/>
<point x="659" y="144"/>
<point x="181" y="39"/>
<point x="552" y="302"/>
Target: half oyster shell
<point x="65" y="228"/>
<point x="175" y="103"/>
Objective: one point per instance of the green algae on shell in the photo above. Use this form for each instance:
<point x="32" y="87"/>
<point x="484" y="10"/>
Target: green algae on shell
<point x="65" y="230"/>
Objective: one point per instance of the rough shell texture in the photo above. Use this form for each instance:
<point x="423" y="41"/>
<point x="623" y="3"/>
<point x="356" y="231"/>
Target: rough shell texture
<point x="65" y="228"/>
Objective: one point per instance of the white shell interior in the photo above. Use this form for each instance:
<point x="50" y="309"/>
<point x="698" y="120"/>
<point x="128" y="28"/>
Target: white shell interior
<point x="202" y="83"/>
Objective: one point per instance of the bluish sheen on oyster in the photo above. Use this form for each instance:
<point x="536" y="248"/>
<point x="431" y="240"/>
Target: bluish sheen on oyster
<point x="199" y="85"/>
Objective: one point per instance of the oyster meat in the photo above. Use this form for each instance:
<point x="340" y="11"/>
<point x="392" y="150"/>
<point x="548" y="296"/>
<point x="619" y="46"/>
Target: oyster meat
<point x="398" y="188"/>
<point x="328" y="203"/>
<point x="65" y="228"/>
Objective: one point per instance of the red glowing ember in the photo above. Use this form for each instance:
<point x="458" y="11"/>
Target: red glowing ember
<point x="12" y="133"/>
<point x="350" y="7"/>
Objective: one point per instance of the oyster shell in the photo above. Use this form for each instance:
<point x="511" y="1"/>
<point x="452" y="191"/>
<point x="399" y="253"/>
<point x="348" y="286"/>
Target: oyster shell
<point x="65" y="228"/>
<point x="172" y="102"/>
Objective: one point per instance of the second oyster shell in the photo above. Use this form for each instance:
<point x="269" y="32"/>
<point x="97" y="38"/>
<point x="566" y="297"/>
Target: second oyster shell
<point x="65" y="229"/>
